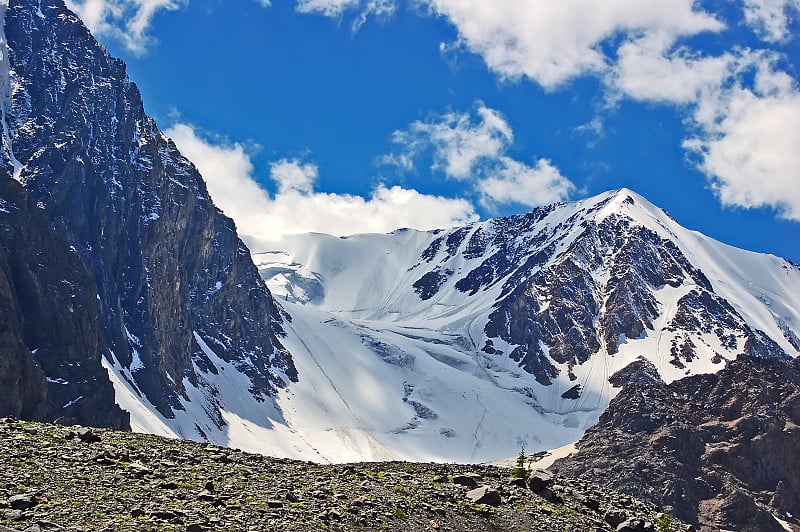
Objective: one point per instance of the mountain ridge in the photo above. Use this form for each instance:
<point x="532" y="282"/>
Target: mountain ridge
<point x="171" y="272"/>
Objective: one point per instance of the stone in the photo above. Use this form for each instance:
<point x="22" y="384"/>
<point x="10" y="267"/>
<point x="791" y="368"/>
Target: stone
<point x="485" y="495"/>
<point x="540" y="479"/>
<point x="615" y="517"/>
<point x="274" y="504"/>
<point x="632" y="525"/>
<point x="22" y="502"/>
<point x="466" y="480"/>
<point x="517" y="483"/>
<point x="87" y="435"/>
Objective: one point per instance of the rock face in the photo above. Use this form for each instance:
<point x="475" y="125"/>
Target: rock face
<point x="174" y="281"/>
<point x="49" y="338"/>
<point x="723" y="449"/>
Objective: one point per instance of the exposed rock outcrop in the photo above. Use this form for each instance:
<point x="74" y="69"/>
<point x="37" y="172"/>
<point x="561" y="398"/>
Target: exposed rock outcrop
<point x="49" y="338"/>
<point x="723" y="449"/>
<point x="173" y="278"/>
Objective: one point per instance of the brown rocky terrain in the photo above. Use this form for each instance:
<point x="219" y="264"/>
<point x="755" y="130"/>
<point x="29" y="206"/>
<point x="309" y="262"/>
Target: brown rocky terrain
<point x="68" y="478"/>
<point x="722" y="450"/>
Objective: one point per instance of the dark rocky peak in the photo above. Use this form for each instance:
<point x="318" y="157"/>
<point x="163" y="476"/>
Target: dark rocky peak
<point x="722" y="450"/>
<point x="168" y="264"/>
<point x="50" y="348"/>
<point x="640" y="371"/>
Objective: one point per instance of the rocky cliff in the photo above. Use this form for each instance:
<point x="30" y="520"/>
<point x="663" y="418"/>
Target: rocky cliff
<point x="49" y="332"/>
<point x="174" y="281"/>
<point x="722" y="450"/>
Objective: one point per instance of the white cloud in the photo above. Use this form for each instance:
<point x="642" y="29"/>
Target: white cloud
<point x="126" y="20"/>
<point x="291" y="176"/>
<point x="374" y="8"/>
<point x="770" y="18"/>
<point x="458" y="142"/>
<point x="649" y="69"/>
<point x="516" y="182"/>
<point x="296" y="207"/>
<point x="749" y="144"/>
<point x="554" y="41"/>
<point x="474" y="150"/>
<point x="328" y="8"/>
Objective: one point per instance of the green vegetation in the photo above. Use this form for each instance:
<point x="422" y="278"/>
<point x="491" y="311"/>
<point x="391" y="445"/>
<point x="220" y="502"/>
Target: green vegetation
<point x="664" y="523"/>
<point x="520" y="471"/>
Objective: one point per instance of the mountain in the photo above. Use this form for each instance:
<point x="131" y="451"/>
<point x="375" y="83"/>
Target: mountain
<point x="177" y="293"/>
<point x="462" y="344"/>
<point x="476" y="340"/>
<point x="50" y="366"/>
<point x="722" y="450"/>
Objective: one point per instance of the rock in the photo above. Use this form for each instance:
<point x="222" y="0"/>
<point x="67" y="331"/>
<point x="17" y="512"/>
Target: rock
<point x="144" y="228"/>
<point x="633" y="525"/>
<point x="719" y="449"/>
<point x="550" y="496"/>
<point x="87" y="435"/>
<point x="540" y="479"/>
<point x="196" y="527"/>
<point x="139" y="470"/>
<point x="14" y="515"/>
<point x="485" y="495"/>
<point x="209" y="486"/>
<point x="517" y="483"/>
<point x="274" y="504"/>
<point x="292" y="497"/>
<point x="592" y="504"/>
<point x="22" y="502"/>
<point x="615" y="517"/>
<point x="466" y="480"/>
<point x="48" y="303"/>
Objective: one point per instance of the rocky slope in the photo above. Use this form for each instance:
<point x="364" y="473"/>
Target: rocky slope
<point x="176" y="287"/>
<point x="49" y="339"/>
<point x="722" y="450"/>
<point x="57" y="478"/>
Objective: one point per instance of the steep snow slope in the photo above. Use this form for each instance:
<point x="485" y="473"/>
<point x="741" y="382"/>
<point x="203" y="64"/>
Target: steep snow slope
<point x="418" y="311"/>
<point x="466" y="344"/>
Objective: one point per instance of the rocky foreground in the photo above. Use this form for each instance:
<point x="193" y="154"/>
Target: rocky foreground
<point x="69" y="478"/>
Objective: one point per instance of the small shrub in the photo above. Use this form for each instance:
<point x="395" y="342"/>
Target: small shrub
<point x="520" y="471"/>
<point x="664" y="524"/>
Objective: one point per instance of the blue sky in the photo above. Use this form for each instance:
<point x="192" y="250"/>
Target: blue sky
<point x="365" y="115"/>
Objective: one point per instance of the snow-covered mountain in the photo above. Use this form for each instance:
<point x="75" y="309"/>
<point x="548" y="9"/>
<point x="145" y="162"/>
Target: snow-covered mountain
<point x="465" y="344"/>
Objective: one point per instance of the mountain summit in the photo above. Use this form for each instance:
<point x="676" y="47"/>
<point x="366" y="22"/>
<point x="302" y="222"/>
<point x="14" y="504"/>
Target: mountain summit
<point x="540" y="310"/>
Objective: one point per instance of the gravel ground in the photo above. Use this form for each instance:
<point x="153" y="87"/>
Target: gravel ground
<point x="54" y="478"/>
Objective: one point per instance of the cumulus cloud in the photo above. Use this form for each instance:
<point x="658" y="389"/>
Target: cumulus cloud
<point x="328" y="8"/>
<point x="770" y="18"/>
<point x="554" y="41"/>
<point x="649" y="68"/>
<point x="473" y="149"/>
<point x="296" y="207"/>
<point x="749" y="144"/>
<point x="126" y="20"/>
<point x="516" y="182"/>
